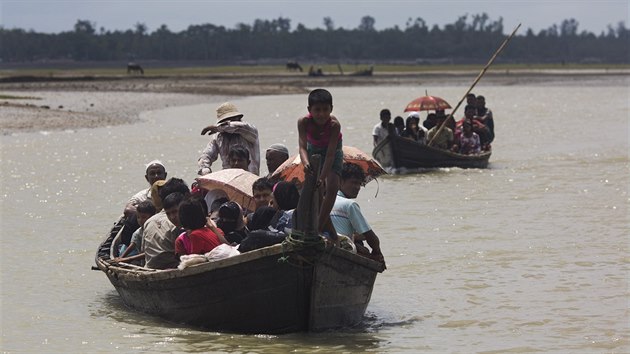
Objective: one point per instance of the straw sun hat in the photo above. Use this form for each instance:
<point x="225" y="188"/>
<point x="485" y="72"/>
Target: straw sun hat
<point x="227" y="111"/>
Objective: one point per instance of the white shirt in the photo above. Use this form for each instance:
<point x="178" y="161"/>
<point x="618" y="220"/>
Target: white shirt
<point x="379" y="132"/>
<point x="237" y="133"/>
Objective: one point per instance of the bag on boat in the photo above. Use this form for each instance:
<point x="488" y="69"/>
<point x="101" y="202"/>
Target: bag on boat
<point x="188" y="260"/>
<point x="222" y="251"/>
<point x="347" y="244"/>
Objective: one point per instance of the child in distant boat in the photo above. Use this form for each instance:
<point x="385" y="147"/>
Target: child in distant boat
<point x="320" y="133"/>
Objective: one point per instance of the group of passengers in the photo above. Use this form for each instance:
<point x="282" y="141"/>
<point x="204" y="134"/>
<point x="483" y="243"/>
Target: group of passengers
<point x="170" y="220"/>
<point x="472" y="134"/>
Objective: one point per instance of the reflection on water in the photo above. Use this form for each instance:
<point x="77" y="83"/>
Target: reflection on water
<point x="530" y="254"/>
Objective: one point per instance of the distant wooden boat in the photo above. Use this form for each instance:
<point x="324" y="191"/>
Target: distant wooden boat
<point x="276" y="289"/>
<point x="366" y="72"/>
<point x="397" y="152"/>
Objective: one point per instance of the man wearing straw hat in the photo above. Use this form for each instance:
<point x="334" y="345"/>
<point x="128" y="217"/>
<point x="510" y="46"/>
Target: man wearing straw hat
<point x="231" y="131"/>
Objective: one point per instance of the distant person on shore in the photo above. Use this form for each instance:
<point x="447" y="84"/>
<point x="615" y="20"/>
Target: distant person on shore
<point x="320" y="133"/>
<point x="231" y="131"/>
<point x="380" y="131"/>
<point x="275" y="156"/>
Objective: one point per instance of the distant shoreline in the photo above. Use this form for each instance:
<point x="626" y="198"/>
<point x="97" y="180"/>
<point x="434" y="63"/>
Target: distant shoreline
<point x="36" y="103"/>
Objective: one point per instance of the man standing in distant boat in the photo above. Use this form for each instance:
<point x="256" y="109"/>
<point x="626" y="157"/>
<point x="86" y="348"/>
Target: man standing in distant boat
<point x="380" y="130"/>
<point x="484" y="114"/>
<point x="231" y="131"/>
<point x="346" y="214"/>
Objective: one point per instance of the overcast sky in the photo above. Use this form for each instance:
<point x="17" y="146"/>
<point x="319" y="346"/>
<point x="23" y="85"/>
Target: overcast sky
<point x="54" y="16"/>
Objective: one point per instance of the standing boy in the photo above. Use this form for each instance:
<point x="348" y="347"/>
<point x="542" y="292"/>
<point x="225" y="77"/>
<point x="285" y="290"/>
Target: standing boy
<point x="320" y="133"/>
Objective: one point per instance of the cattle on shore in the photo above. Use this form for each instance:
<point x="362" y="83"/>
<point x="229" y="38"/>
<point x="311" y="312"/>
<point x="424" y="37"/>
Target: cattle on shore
<point x="133" y="68"/>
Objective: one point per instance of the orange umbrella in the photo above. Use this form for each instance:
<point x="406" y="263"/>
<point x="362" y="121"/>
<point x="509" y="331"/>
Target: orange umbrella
<point x="427" y="103"/>
<point x="235" y="182"/>
<point x="292" y="169"/>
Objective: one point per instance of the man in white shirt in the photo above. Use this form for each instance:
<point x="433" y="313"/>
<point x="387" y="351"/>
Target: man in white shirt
<point x="380" y="130"/>
<point x="155" y="171"/>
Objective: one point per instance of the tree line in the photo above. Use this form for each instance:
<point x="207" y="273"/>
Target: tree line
<point x="470" y="39"/>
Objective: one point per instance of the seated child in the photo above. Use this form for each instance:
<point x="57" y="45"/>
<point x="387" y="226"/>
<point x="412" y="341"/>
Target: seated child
<point x="285" y="198"/>
<point x="201" y="236"/>
<point x="144" y="211"/>
<point x="231" y="222"/>
<point x="262" y="218"/>
<point x="320" y="133"/>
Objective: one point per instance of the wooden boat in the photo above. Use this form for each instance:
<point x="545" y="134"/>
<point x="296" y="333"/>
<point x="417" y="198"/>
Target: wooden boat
<point x="397" y="152"/>
<point x="365" y="72"/>
<point x="276" y="289"/>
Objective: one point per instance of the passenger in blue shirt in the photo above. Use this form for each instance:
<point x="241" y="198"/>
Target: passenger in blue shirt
<point x="346" y="214"/>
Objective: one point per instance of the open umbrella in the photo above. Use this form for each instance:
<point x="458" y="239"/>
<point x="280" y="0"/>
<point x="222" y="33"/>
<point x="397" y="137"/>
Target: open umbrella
<point x="292" y="169"/>
<point x="427" y="103"/>
<point x="235" y="182"/>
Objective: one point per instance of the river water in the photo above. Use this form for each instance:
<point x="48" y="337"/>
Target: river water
<point x="529" y="255"/>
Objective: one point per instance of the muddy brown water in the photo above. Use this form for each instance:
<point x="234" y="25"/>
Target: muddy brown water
<point x="529" y="255"/>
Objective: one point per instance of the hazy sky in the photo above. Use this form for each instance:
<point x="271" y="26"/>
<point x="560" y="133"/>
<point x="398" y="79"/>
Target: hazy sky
<point x="61" y="15"/>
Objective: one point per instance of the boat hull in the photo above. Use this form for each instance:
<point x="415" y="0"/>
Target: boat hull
<point x="254" y="292"/>
<point x="397" y="152"/>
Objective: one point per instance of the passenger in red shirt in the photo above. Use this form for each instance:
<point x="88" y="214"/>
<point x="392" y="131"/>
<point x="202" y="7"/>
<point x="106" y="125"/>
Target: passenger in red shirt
<point x="201" y="235"/>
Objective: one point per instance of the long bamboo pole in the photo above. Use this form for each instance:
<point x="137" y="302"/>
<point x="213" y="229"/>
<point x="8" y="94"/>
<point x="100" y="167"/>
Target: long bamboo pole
<point x="483" y="71"/>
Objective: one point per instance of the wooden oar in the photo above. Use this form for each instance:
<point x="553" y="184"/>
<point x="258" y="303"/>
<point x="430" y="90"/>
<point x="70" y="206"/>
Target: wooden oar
<point x="483" y="71"/>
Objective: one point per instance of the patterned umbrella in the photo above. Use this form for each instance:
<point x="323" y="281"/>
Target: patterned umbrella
<point x="427" y="103"/>
<point x="235" y="182"/>
<point x="292" y="169"/>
